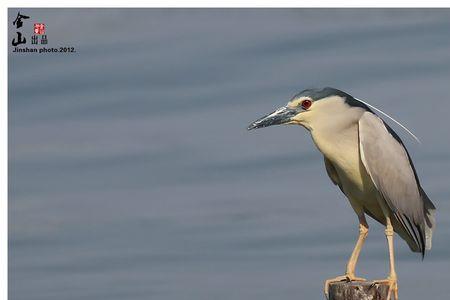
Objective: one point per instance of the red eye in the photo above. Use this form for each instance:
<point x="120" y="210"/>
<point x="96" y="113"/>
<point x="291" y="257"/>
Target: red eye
<point x="306" y="104"/>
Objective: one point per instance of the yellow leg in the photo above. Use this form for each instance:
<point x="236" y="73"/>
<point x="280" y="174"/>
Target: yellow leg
<point x="363" y="231"/>
<point x="351" y="265"/>
<point x="392" y="278"/>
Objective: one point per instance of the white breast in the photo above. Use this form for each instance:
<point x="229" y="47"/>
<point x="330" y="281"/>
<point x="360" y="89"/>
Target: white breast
<point x="338" y="140"/>
<point x="334" y="128"/>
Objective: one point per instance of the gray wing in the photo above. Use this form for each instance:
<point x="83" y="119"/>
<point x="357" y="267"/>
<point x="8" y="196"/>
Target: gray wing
<point x="332" y="173"/>
<point x="391" y="170"/>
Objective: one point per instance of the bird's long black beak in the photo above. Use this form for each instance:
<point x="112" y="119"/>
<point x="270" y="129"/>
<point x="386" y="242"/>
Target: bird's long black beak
<point x="282" y="115"/>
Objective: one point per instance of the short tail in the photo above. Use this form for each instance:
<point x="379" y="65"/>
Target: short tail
<point x="420" y="235"/>
<point x="430" y="221"/>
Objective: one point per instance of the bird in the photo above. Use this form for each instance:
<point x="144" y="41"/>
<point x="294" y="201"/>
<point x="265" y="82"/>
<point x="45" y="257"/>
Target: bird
<point x="370" y="164"/>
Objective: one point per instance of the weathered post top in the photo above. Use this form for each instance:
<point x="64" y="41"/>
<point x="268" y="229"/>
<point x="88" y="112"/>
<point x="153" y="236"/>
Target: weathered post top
<point x="358" y="291"/>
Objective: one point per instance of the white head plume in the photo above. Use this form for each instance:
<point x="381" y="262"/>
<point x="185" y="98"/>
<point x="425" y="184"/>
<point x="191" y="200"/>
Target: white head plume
<point x="391" y="118"/>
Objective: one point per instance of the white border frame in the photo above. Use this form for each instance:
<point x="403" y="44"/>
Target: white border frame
<point x="133" y="3"/>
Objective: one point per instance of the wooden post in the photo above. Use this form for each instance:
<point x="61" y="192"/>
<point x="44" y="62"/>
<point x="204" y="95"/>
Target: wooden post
<point x="358" y="291"/>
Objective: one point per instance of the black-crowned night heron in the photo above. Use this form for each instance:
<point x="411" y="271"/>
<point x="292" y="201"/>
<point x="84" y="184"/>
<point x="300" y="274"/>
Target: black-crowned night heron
<point x="371" y="166"/>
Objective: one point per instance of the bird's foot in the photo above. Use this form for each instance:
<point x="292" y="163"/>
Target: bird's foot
<point x="393" y="286"/>
<point x="346" y="277"/>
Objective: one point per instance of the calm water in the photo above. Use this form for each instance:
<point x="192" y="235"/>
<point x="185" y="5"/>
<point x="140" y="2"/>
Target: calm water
<point x="132" y="175"/>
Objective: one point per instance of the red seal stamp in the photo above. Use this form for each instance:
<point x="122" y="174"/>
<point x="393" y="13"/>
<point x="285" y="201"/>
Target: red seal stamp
<point x="39" y="28"/>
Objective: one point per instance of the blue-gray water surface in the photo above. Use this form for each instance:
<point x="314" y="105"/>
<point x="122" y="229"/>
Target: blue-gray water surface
<point x="132" y="175"/>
